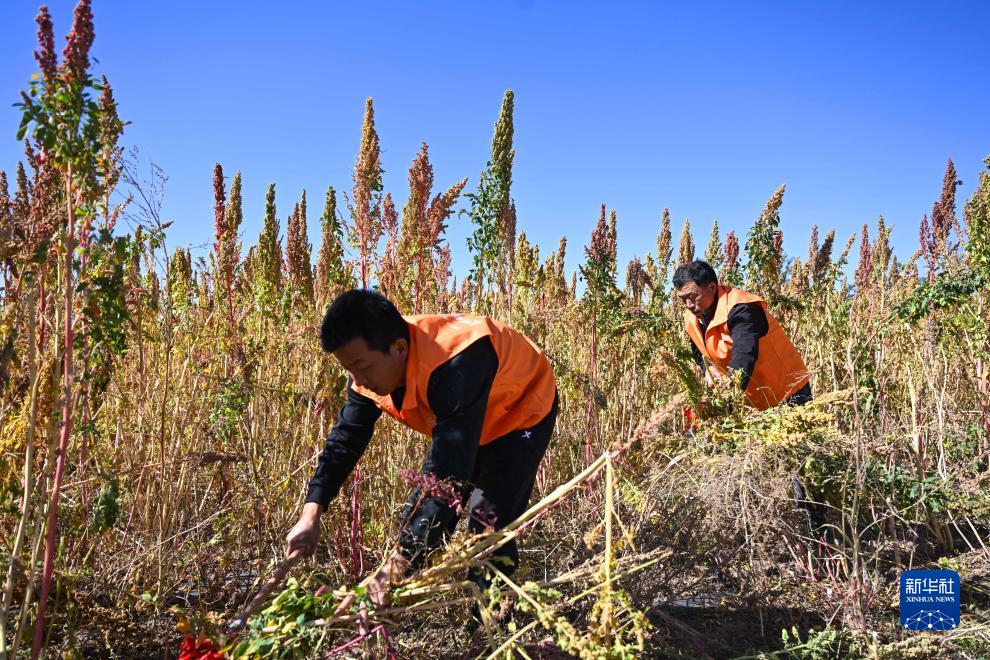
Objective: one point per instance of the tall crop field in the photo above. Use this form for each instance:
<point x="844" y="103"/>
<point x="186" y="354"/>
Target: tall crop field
<point x="161" y="411"/>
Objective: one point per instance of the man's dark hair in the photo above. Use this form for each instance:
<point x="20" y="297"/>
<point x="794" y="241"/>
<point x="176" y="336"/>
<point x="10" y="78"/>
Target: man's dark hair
<point x="697" y="271"/>
<point x="366" y="314"/>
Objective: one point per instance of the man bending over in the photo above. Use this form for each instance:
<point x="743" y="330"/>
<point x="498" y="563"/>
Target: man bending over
<point x="485" y="395"/>
<point x="733" y="330"/>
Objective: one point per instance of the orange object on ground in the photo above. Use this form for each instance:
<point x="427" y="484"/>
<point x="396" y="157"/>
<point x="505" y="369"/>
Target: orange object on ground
<point x="779" y="370"/>
<point x="521" y="395"/>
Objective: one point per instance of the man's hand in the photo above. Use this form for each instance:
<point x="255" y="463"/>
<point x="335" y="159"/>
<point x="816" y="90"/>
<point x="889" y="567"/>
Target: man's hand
<point x="378" y="584"/>
<point x="304" y="536"/>
<point x="714" y="375"/>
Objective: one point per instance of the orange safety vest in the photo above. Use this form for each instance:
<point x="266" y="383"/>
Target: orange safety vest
<point x="779" y="370"/>
<point x="521" y="394"/>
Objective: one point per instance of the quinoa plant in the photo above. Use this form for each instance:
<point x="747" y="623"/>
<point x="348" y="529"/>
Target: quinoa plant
<point x="732" y="272"/>
<point x="332" y="271"/>
<point x="493" y="214"/>
<point x="417" y="260"/>
<point x="978" y="225"/>
<point x="365" y="229"/>
<point x="664" y="252"/>
<point x="226" y="248"/>
<point x="298" y="253"/>
<point x="75" y="133"/>
<point x="267" y="262"/>
<point x="864" y="271"/>
<point x="685" y="245"/>
<point x="714" y="254"/>
<point x="763" y="249"/>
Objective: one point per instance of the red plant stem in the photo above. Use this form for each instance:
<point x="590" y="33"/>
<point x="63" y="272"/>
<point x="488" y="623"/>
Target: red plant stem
<point x="50" y="538"/>
<point x="363" y="250"/>
<point x="360" y="638"/>
<point x="42" y="299"/>
<point x="340" y="545"/>
<point x="357" y="552"/>
<point x="392" y="655"/>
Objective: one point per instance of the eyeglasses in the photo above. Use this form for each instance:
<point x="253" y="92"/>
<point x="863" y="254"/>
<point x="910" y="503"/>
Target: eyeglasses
<point x="689" y="297"/>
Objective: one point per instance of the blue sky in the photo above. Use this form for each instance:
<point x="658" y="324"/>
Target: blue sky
<point x="704" y="108"/>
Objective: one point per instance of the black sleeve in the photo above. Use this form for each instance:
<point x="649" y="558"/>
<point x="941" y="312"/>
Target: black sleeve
<point x="458" y="395"/>
<point x="696" y="354"/>
<point x="348" y="439"/>
<point x="747" y="324"/>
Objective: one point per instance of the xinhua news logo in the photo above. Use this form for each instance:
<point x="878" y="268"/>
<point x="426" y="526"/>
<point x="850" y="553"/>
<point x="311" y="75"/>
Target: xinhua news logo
<point x="930" y="600"/>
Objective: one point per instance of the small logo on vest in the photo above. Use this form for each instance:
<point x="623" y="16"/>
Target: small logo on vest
<point x="527" y="434"/>
<point x="930" y="600"/>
